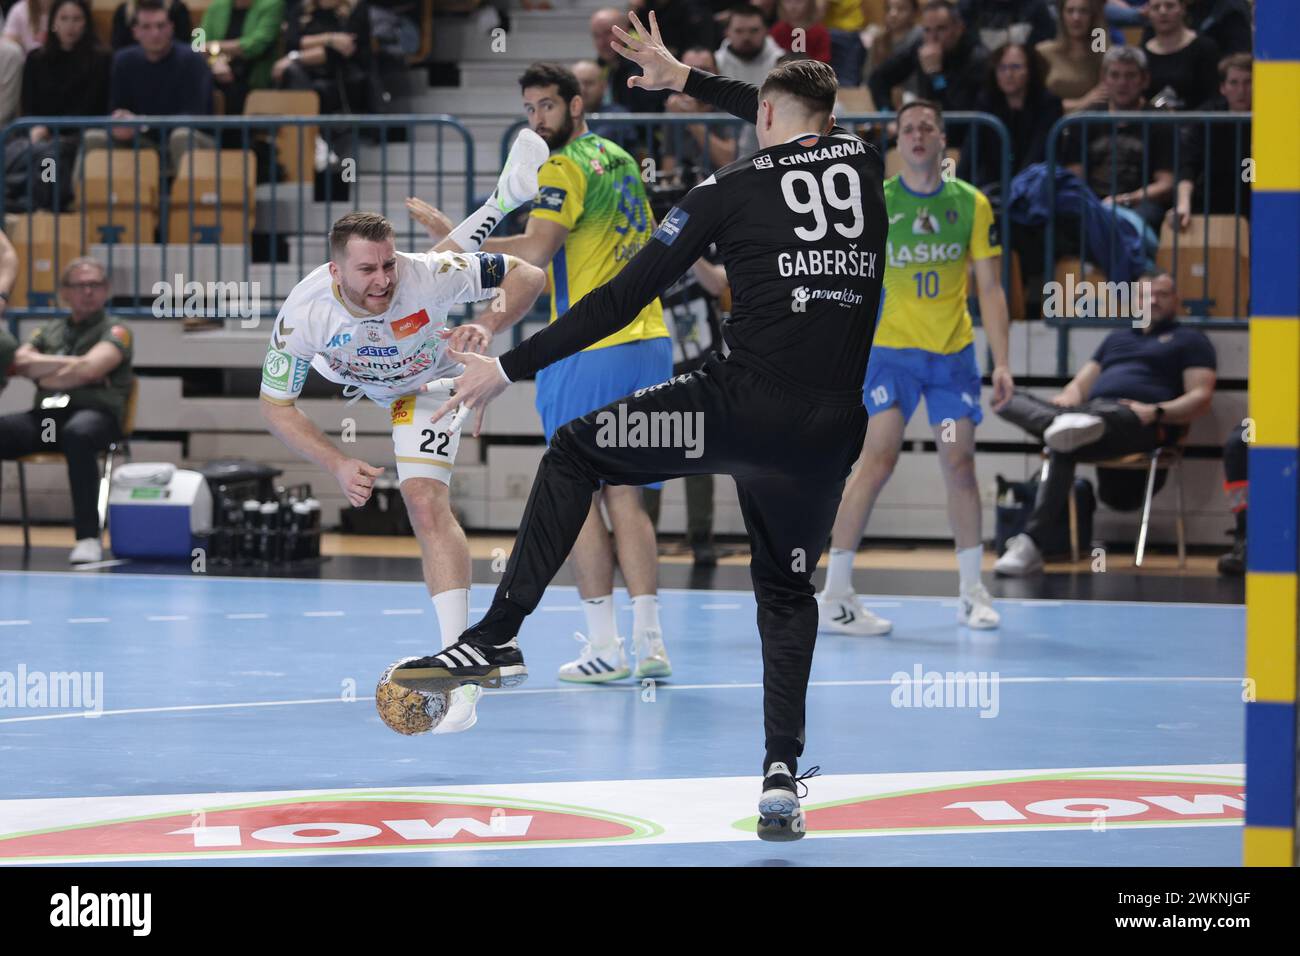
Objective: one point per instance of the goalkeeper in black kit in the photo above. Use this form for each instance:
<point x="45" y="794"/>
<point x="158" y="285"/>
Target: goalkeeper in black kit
<point x="800" y="226"/>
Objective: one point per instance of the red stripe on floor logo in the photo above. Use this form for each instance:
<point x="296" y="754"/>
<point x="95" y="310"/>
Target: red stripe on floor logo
<point x="1084" y="801"/>
<point x="366" y="823"/>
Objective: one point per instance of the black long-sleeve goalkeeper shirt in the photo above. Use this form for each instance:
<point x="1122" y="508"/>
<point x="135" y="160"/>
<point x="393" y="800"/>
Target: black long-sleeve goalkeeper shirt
<point x="801" y="230"/>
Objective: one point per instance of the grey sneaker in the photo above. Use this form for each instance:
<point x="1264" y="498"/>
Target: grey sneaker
<point x="1072" y="430"/>
<point x="1021" y="558"/>
<point x="780" y="818"/>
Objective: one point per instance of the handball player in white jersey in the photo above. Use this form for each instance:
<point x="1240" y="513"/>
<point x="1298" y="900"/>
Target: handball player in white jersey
<point x="374" y="319"/>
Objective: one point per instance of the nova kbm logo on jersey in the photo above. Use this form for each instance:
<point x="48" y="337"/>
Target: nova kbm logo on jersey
<point x="331" y="823"/>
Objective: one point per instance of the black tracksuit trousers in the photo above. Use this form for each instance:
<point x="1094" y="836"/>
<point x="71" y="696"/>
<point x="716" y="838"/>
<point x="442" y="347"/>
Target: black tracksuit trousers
<point x="789" y="456"/>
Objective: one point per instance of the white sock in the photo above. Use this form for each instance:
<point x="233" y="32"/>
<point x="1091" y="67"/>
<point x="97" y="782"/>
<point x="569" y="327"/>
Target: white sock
<point x="839" y="575"/>
<point x="968" y="565"/>
<point x="453" y="614"/>
<point x="645" y="613"/>
<point x="600" y="619"/>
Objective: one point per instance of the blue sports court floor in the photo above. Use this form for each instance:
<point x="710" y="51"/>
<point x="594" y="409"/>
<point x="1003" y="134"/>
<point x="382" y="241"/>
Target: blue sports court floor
<point x="235" y="723"/>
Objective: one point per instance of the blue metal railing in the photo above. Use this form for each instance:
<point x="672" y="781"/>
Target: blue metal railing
<point x="1206" y="310"/>
<point x="257" y="208"/>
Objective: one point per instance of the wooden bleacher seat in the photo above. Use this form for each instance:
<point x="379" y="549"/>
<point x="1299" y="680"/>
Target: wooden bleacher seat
<point x="117" y="184"/>
<point x="213" y="192"/>
<point x="1207" y="281"/>
<point x="45" y="244"/>
<point x="295" y="146"/>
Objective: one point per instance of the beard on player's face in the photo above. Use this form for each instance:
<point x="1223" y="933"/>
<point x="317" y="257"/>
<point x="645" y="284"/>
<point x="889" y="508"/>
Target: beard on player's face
<point x="556" y="137"/>
<point x="373" y="294"/>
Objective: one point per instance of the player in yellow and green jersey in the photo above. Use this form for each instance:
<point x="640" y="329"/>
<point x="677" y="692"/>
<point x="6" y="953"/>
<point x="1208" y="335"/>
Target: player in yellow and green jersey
<point x="591" y="216"/>
<point x="924" y="347"/>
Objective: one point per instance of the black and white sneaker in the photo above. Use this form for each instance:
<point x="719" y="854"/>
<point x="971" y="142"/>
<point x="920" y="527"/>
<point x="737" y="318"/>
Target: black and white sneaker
<point x="780" y="818"/>
<point x="466" y="663"/>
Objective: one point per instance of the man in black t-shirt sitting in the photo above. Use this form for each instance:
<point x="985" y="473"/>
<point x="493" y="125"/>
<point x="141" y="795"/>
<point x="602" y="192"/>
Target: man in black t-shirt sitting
<point x="1124" y="163"/>
<point x="1141" y="381"/>
<point x="1210" y="176"/>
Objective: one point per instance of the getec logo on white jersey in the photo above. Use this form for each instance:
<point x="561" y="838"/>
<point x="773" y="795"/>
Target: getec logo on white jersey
<point x="384" y="355"/>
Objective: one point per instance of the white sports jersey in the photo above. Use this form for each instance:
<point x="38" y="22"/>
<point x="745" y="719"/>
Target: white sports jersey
<point x="385" y="356"/>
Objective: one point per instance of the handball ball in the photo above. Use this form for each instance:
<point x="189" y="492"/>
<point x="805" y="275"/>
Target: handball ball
<point x="408" y="711"/>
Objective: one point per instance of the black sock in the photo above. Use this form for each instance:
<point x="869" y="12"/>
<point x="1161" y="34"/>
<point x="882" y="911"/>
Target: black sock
<point x="499" y="626"/>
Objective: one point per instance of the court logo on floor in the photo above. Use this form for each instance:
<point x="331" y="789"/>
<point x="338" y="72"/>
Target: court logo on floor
<point x="1070" y="799"/>
<point x="363" y="822"/>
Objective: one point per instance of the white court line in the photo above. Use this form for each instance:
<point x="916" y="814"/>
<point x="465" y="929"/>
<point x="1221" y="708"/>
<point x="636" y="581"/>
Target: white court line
<point x="909" y="598"/>
<point x="322" y="613"/>
<point x="88" y="620"/>
<point x="402" y="610"/>
<point x="13" y="623"/>
<point x="168" y="617"/>
<point x="246" y="617"/>
<point x="604" y="689"/>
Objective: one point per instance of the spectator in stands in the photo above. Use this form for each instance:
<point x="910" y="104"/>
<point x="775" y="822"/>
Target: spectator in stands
<point x="177" y="12"/>
<point x="1116" y="154"/>
<point x="899" y="30"/>
<point x="1181" y="63"/>
<point x="24" y="31"/>
<point x="1226" y="22"/>
<point x="81" y="364"/>
<point x="1073" y="58"/>
<point x="947" y="66"/>
<point x="617" y="69"/>
<point x="157" y="77"/>
<point x="846" y="20"/>
<point x="595" y="99"/>
<point x="242" y="39"/>
<point x="27" y="23"/>
<point x="68" y="76"/>
<point x="1228" y="147"/>
<point x="699" y="149"/>
<point x="327" y="49"/>
<point x="747" y="54"/>
<point x="1139" y="383"/>
<point x="1236" y="485"/>
<point x="1015" y="93"/>
<point x="8" y="276"/>
<point x="998" y="22"/>
<point x="814" y="40"/>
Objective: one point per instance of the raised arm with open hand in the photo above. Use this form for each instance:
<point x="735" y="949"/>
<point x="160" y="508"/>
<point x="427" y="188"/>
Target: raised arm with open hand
<point x="660" y="70"/>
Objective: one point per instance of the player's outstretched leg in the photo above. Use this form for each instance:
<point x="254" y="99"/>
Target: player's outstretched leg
<point x="479" y="657"/>
<point x="572" y="469"/>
